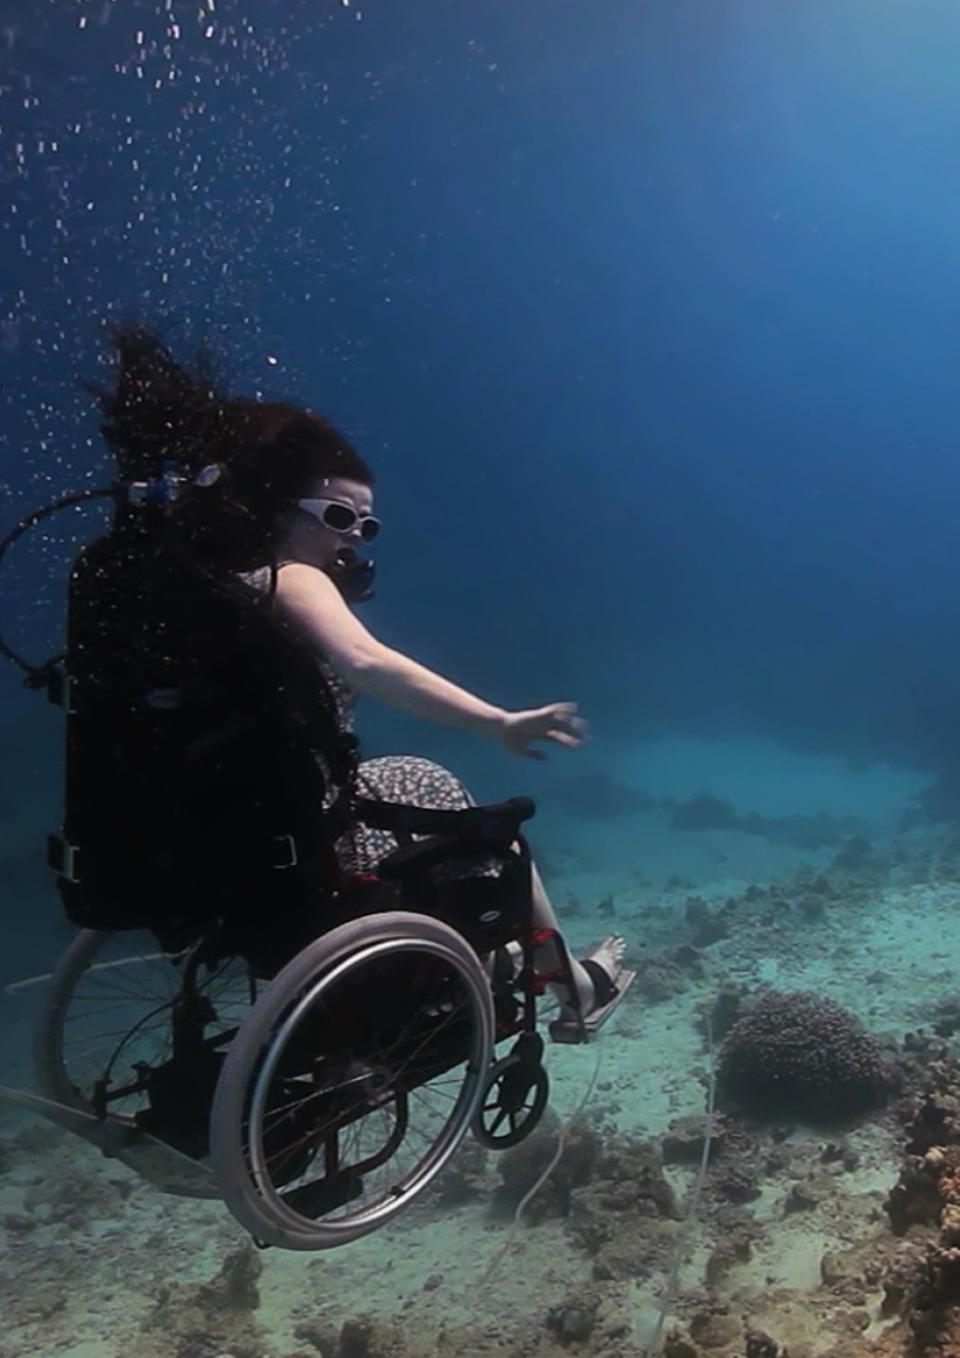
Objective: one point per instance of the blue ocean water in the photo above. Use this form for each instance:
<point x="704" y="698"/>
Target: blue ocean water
<point x="644" y="315"/>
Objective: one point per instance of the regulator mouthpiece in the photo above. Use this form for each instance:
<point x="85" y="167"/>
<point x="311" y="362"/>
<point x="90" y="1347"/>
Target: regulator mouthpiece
<point x="353" y="575"/>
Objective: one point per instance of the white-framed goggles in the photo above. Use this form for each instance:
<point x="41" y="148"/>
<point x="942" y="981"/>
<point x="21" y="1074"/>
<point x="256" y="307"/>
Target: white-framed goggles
<point x="341" y="518"/>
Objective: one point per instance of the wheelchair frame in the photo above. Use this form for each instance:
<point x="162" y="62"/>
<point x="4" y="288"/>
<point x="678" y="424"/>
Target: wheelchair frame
<point x="252" y="1077"/>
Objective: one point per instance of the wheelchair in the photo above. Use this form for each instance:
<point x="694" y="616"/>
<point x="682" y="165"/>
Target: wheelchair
<point x="233" y="1019"/>
<point x="320" y="1101"/>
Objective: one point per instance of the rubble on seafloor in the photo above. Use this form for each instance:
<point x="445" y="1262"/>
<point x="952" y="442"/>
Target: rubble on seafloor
<point x="882" y="1265"/>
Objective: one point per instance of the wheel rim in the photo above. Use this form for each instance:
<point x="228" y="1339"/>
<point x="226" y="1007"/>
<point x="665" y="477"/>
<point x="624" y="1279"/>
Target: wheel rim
<point x="271" y="1206"/>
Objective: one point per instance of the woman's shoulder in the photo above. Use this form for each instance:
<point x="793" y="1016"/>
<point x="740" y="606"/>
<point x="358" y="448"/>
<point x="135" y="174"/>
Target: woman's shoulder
<point x="263" y="578"/>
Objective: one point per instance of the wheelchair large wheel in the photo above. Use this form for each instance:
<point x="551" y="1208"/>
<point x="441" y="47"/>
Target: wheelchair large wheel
<point x="352" y="1081"/>
<point x="107" y="1018"/>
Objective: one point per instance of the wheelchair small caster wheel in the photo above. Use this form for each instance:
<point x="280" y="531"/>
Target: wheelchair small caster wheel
<point x="514" y="1097"/>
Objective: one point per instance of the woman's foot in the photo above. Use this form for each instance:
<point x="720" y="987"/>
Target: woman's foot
<point x="608" y="956"/>
<point x="608" y="981"/>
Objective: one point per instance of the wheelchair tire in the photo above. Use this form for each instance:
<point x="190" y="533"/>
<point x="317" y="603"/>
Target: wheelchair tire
<point x="521" y="1109"/>
<point x="246" y="1095"/>
<point x="58" y="1077"/>
<point x="49" y="1048"/>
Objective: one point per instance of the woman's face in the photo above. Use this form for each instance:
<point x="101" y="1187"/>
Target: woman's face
<point x="305" y="537"/>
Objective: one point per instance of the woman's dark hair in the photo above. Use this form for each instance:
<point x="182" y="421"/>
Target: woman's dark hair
<point x="266" y="453"/>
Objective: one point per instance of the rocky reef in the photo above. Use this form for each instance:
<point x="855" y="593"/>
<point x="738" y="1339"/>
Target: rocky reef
<point x="797" y="1054"/>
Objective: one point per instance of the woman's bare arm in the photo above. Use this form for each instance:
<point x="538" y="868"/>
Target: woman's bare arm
<point x="311" y="600"/>
<point x="313" y="603"/>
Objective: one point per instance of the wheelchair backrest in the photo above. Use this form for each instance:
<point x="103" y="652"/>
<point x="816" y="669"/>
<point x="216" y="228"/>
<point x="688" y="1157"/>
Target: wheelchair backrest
<point x="201" y="747"/>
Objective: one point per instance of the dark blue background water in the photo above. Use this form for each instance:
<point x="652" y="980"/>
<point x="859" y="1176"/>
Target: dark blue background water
<point x="645" y="314"/>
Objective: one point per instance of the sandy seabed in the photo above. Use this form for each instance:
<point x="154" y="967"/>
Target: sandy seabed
<point x="792" y="1248"/>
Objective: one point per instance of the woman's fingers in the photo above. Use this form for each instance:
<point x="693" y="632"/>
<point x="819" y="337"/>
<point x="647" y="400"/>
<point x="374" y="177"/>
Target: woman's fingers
<point x="566" y="727"/>
<point x="565" y="738"/>
<point x="565" y="716"/>
<point x="557" y="722"/>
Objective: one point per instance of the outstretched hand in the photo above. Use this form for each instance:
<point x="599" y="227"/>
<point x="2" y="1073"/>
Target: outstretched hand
<point x="557" y="722"/>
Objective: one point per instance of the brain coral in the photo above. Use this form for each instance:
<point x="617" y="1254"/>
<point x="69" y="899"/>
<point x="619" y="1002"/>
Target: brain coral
<point x="794" y="1054"/>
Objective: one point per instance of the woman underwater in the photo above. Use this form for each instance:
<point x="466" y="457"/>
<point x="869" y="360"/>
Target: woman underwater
<point x="307" y="500"/>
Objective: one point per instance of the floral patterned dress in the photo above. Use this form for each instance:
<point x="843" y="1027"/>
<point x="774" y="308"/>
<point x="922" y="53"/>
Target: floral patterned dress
<point x="404" y="778"/>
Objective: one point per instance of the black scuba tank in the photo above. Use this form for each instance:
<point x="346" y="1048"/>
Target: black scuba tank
<point x="193" y="787"/>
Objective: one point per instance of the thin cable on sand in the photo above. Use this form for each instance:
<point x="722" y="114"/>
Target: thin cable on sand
<point x="568" y="1121"/>
<point x="15" y="987"/>
<point x="693" y="1206"/>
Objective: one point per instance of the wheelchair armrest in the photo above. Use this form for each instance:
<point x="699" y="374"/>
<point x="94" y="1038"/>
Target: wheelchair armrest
<point x="410" y="860"/>
<point x="498" y="823"/>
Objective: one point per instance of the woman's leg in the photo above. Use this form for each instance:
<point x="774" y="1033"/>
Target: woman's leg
<point x="415" y="781"/>
<point x="547" y="957"/>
